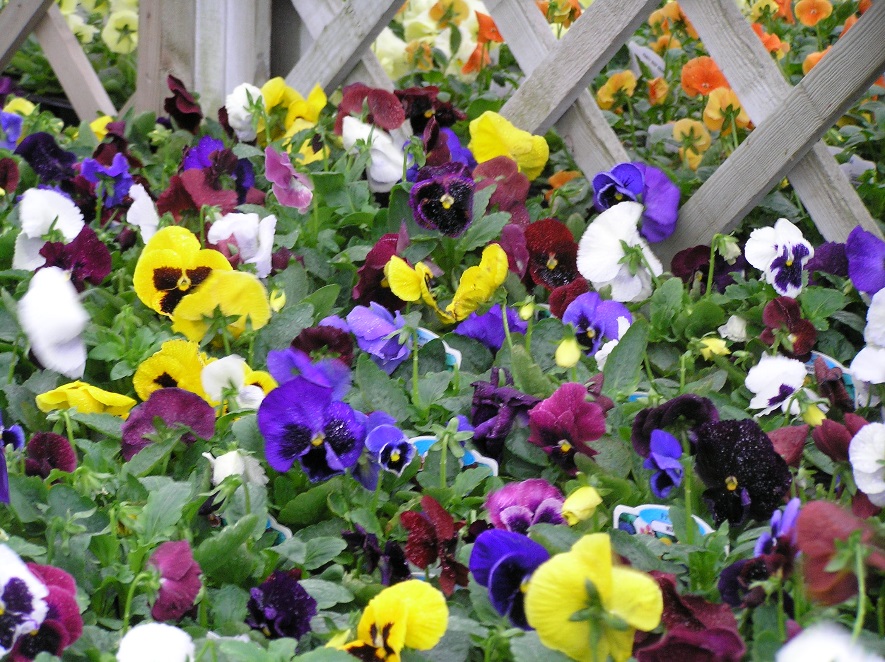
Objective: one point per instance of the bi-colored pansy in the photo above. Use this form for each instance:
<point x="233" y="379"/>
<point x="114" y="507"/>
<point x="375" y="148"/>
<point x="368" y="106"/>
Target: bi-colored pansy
<point x="178" y="363"/>
<point x="86" y="398"/>
<point x="172" y="266"/>
<point x="491" y="135"/>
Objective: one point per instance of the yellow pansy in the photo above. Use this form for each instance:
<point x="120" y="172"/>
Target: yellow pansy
<point x="722" y="102"/>
<point x="407" y="283"/>
<point x="86" y="399"/>
<point x="580" y="505"/>
<point x="99" y="126"/>
<point x="306" y="153"/>
<point x="410" y="614"/>
<point x="814" y="415"/>
<point x="173" y="266"/>
<point x="491" y="135"/>
<point x="308" y="109"/>
<point x="235" y="293"/>
<point x="619" y="83"/>
<point x="120" y="33"/>
<point x="583" y="605"/>
<point x="19" y="106"/>
<point x="177" y="364"/>
<point x="713" y="346"/>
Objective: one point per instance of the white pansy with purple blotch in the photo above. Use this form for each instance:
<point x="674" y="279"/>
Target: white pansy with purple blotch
<point x="22" y="599"/>
<point x="780" y="253"/>
<point x="774" y="381"/>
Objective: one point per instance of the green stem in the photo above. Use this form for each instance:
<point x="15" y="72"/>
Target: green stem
<point x="443" y="458"/>
<point x="860" y="570"/>
<point x="69" y="429"/>
<point x="880" y="611"/>
<point x="416" y="397"/>
<point x="528" y="333"/>
<point x="127" y="611"/>
<point x="506" y="326"/>
<point x="710" y="271"/>
<point x="781" y="621"/>
<point x="689" y="503"/>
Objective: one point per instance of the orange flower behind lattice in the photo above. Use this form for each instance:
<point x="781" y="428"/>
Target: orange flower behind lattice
<point x="864" y="5"/>
<point x="812" y="12"/>
<point x="564" y="12"/>
<point x="812" y="59"/>
<point x="701" y="76"/>
<point x="558" y="179"/>
<point x="449" y="12"/>
<point x="488" y="31"/>
<point x="785" y="11"/>
<point x="662" y="19"/>
<point x="621" y="82"/>
<point x="658" y="88"/>
<point x="721" y="100"/>
<point x="772" y="42"/>
<point x="665" y="42"/>
<point x="849" y="23"/>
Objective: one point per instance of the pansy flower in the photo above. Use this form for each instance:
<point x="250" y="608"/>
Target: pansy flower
<point x="47" y="451"/>
<point x="385" y="109"/>
<point x="164" y="641"/>
<point x="172" y="266"/>
<point x="866" y="260"/>
<point x="581" y="599"/>
<point x="325" y="341"/>
<point x="421" y="104"/>
<point x="834" y="439"/>
<point x="552" y="253"/>
<point x="63" y="624"/>
<point x="14" y="435"/>
<point x="442" y="199"/>
<point x="113" y="180"/>
<point x="86" y="398"/>
<point x="178" y="363"/>
<point x="377" y="334"/>
<point x="391" y="447"/>
<point x="386" y="158"/>
<point x="49" y="161"/>
<point x="291" y="188"/>
<point x="744" y="475"/>
<point x="564" y="423"/>
<point x="684" y="412"/>
<point x="511" y="187"/>
<point x="594" y="320"/>
<point x="491" y="135"/>
<point x="602" y="256"/>
<point x="179" y="580"/>
<point x="86" y="258"/>
<point x="286" y="364"/>
<point x="495" y="408"/>
<point x="640" y="183"/>
<point x="239" y="106"/>
<point x="10" y="130"/>
<point x="774" y="381"/>
<point x="174" y="407"/>
<point x="22" y="600"/>
<point x="181" y="106"/>
<point x="488" y="328"/>
<point x="280" y="606"/>
<point x="9" y="175"/>
<point x="391" y="561"/>
<point x="866" y="454"/>
<point x="664" y="460"/>
<point x="230" y="378"/>
<point x="300" y="421"/>
<point x="783" y="322"/>
<point x="433" y="535"/>
<point x="781" y="253"/>
<point x="199" y="156"/>
<point x="409" y="614"/>
<point x="42" y="212"/>
<point x="371" y="283"/>
<point x="503" y="562"/>
<point x="517" y="506"/>
<point x="245" y="238"/>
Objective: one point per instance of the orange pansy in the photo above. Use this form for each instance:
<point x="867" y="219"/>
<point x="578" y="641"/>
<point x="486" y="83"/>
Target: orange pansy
<point x="661" y="19"/>
<point x="449" y="12"/>
<point x="559" y="178"/>
<point x="658" y="88"/>
<point x="701" y="75"/>
<point x="623" y="82"/>
<point x="812" y="59"/>
<point x="665" y="42"/>
<point x="849" y="23"/>
<point x="564" y="12"/>
<point x="811" y="12"/>
<point x="488" y="31"/>
<point x="864" y="5"/>
<point x="772" y="42"/>
<point x="785" y="11"/>
<point x="720" y="101"/>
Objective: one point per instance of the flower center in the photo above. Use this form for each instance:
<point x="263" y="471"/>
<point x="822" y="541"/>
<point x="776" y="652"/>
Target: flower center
<point x="619" y="196"/>
<point x="395" y="456"/>
<point x="318" y="439"/>
<point x="564" y="446"/>
<point x="184" y="283"/>
<point x="731" y="483"/>
<point x="552" y="262"/>
<point x="446" y="201"/>
<point x="524" y="585"/>
<point x="591" y="333"/>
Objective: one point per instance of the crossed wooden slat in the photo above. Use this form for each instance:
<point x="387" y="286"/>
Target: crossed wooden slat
<point x="74" y="71"/>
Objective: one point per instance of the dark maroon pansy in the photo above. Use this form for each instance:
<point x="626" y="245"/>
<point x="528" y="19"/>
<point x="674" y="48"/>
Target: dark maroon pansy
<point x="385" y="110"/>
<point x="562" y="296"/>
<point x="179" y="580"/>
<point x="391" y="561"/>
<point x="831" y="385"/>
<point x="513" y="243"/>
<point x="174" y="406"/>
<point x="325" y="342"/>
<point x="783" y="322"/>
<point x="47" y="451"/>
<point x="692" y="266"/>
<point x="512" y="187"/>
<point x="495" y="408"/>
<point x="789" y="442"/>
<point x="552" y="253"/>
<point x="422" y="104"/>
<point x="86" y="258"/>
<point x="433" y="535"/>
<point x="9" y="175"/>
<point x="833" y="439"/>
<point x="181" y="106"/>
<point x="371" y="282"/>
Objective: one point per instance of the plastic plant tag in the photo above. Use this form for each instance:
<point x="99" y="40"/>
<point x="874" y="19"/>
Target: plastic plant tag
<point x="652" y="520"/>
<point x="471" y="458"/>
<point x="453" y="356"/>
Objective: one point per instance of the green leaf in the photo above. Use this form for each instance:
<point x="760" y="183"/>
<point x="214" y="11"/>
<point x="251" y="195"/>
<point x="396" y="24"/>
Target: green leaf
<point x="554" y="537"/>
<point x="483" y="231"/>
<point x="432" y="386"/>
<point x="469" y="479"/>
<point x="107" y="424"/>
<point x="284" y="326"/>
<point x="25" y="492"/>
<point x="376" y="391"/>
<point x="228" y="604"/>
<point x="162" y="511"/>
<point x="527" y="375"/>
<point x="292" y="549"/>
<point x="215" y="552"/>
<point x="322" y="550"/>
<point x="307" y="507"/>
<point x="528" y="648"/>
<point x="481" y="200"/>
<point x="624" y="364"/>
<point x="706" y="316"/>
<point x="323" y="300"/>
<point x="820" y="303"/>
<point x="325" y="655"/>
<point x="327" y="594"/>
<point x="246" y="151"/>
<point x="666" y="304"/>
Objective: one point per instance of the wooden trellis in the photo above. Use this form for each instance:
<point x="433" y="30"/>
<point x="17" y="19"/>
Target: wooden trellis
<point x="789" y="120"/>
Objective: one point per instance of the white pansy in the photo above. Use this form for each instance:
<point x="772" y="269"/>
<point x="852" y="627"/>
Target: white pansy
<point x="238" y="114"/>
<point x="51" y="315"/>
<point x="874" y="332"/>
<point x="735" y="329"/>
<point x="867" y="455"/>
<point x="386" y="158"/>
<point x="156" y="642"/>
<point x="825" y="641"/>
<point x="869" y="365"/>
<point x="254" y="238"/>
<point x="12" y="568"/>
<point x="774" y="381"/>
<point x="780" y="252"/>
<point x="236" y="463"/>
<point x="602" y="353"/>
<point x="40" y="211"/>
<point x="142" y="213"/>
<point x="601" y="250"/>
<point x="228" y="375"/>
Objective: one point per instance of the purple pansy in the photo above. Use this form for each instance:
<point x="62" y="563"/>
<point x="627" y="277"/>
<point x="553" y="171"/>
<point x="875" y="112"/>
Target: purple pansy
<point x="114" y="179"/>
<point x="23" y="598"/>
<point x="488" y="328"/>
<point x="280" y="607"/>
<point x="503" y="561"/>
<point x="286" y="364"/>
<point x="866" y="260"/>
<point x="63" y="624"/>
<point x="47" y="451"/>
<point x="49" y="161"/>
<point x="198" y="155"/>
<point x="290" y="187"/>
<point x="179" y="580"/>
<point x="175" y="407"/>
<point x="392" y="561"/>
<point x="377" y="333"/>
<point x="11" y="127"/>
<point x="442" y="198"/>
<point x="494" y="410"/>
<point x="664" y="459"/>
<point x="640" y="183"/>
<point x="15" y="436"/>
<point x="688" y="409"/>
<point x="517" y="506"/>
<point x="782" y="524"/>
<point x="594" y="320"/>
<point x="301" y="421"/>
<point x="391" y="447"/>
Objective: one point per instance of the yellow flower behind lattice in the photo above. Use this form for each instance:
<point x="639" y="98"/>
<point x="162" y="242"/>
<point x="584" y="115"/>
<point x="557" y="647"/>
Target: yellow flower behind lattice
<point x="491" y="135"/>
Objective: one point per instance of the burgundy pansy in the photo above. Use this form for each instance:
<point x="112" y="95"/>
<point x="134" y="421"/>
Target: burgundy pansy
<point x="179" y="580"/>
<point x="833" y="438"/>
<point x="783" y="323"/>
<point x="326" y="342"/>
<point x="385" y="110"/>
<point x="371" y="283"/>
<point x="692" y="265"/>
<point x="47" y="451"/>
<point x="512" y="187"/>
<point x="562" y="296"/>
<point x="191" y="191"/>
<point x="831" y="385"/>
<point x="86" y="258"/>
<point x="789" y="442"/>
<point x="422" y="104"/>
<point x="433" y="535"/>
<point x="174" y="406"/>
<point x="181" y="106"/>
<point x="9" y="175"/>
<point x="552" y="253"/>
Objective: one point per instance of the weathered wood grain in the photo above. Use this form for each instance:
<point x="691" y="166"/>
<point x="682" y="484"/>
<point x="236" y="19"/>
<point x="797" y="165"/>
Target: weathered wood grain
<point x="342" y="43"/>
<point x="587" y="134"/>
<point x="786" y="135"/>
<point x="565" y="72"/>
<point x="316" y="15"/>
<point x="18" y="18"/>
<point x="78" y="79"/>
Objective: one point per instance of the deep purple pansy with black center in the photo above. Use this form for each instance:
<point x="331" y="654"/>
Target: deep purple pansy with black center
<point x="503" y="562"/>
<point x="281" y="607"/>
<point x="301" y="421"/>
<point x="391" y="561"/>
<point x="495" y="408"/>
<point x="49" y="161"/>
<point x="442" y="198"/>
<point x="640" y="183"/>
<point x="595" y="320"/>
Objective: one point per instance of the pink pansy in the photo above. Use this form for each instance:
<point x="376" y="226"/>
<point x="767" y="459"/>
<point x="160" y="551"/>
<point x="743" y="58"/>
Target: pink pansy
<point x="291" y="188"/>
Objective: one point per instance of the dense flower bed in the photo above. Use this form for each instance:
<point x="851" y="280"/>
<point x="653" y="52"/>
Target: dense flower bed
<point x="382" y="376"/>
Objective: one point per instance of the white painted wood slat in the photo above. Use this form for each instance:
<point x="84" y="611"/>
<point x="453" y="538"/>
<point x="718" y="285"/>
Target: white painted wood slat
<point x="591" y="141"/>
<point x="18" y="18"/>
